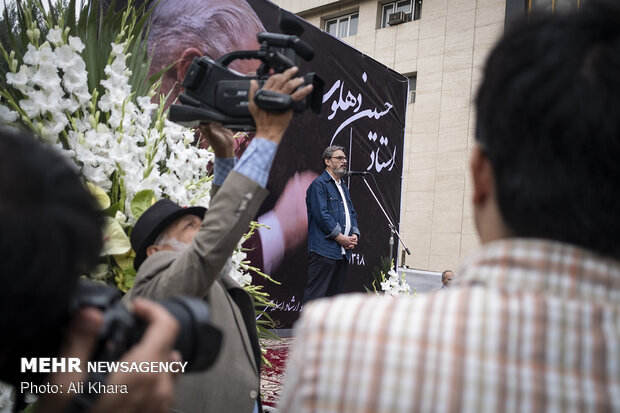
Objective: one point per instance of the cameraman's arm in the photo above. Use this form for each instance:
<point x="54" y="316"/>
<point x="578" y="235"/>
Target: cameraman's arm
<point x="240" y="190"/>
<point x="222" y="140"/>
<point x="233" y="206"/>
<point x="147" y="392"/>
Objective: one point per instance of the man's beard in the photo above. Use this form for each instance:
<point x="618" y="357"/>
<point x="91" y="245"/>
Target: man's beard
<point x="177" y="245"/>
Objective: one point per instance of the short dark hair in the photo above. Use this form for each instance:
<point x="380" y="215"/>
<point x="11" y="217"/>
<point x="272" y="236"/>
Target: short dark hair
<point x="443" y="274"/>
<point x="549" y="121"/>
<point x="329" y="152"/>
<point x="51" y="233"/>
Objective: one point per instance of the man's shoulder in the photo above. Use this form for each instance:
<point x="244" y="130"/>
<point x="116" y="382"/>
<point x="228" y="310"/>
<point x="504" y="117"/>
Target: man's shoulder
<point x="367" y="312"/>
<point x="153" y="266"/>
<point x="156" y="263"/>
<point x="324" y="177"/>
<point x="345" y="310"/>
<point x="319" y="181"/>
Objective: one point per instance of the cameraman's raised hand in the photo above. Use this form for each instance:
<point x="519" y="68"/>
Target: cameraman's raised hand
<point x="147" y="392"/>
<point x="221" y="139"/>
<point x="272" y="125"/>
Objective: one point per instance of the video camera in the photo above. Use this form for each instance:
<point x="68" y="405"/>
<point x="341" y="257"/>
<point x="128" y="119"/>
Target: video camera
<point x="215" y="93"/>
<point x="198" y="341"/>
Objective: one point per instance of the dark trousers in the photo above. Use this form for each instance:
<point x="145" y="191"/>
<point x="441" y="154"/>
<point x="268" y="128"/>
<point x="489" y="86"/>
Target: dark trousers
<point x="325" y="277"/>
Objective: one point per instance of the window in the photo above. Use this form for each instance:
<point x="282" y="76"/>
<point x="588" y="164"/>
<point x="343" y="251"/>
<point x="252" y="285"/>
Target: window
<point x="550" y="5"/>
<point x="343" y="26"/>
<point x="401" y="6"/>
<point x="413" y="79"/>
<point x="516" y="9"/>
<point x="554" y="5"/>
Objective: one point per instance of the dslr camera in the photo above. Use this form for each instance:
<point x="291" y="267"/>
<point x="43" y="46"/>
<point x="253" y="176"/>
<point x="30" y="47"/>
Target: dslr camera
<point x="198" y="341"/>
<point x="215" y="93"/>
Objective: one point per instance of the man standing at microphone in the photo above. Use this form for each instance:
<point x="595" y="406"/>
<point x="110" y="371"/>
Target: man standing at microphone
<point x="332" y="227"/>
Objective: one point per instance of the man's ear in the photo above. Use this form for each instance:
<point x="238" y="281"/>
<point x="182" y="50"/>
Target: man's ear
<point x="152" y="249"/>
<point x="482" y="176"/>
<point x="186" y="59"/>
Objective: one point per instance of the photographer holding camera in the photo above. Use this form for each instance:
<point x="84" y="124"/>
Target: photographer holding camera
<point x="185" y="250"/>
<point x="51" y="233"/>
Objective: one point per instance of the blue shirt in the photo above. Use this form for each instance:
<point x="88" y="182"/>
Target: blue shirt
<point x="326" y="216"/>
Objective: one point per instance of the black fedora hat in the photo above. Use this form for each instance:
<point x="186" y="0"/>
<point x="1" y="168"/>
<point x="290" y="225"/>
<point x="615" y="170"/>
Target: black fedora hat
<point x="153" y="221"/>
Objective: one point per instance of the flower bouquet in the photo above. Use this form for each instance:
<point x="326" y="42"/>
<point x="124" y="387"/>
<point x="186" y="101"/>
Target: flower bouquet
<point x="76" y="76"/>
<point x="387" y="279"/>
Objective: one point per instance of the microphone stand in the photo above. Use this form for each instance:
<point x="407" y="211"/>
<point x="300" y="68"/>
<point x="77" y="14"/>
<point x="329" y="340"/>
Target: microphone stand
<point x="391" y="225"/>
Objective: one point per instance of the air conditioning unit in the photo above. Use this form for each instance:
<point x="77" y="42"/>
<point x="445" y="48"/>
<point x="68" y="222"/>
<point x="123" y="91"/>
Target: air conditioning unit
<point x="397" y="18"/>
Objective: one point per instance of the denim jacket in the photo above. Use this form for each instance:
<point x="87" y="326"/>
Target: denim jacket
<point x="326" y="217"/>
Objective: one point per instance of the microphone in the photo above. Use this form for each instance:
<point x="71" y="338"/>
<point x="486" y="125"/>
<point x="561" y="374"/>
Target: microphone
<point x="351" y="173"/>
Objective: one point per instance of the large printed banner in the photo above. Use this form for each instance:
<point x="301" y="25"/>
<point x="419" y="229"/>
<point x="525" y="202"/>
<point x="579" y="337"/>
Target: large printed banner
<point x="363" y="110"/>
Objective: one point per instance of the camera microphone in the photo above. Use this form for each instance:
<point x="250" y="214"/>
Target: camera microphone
<point x="351" y="173"/>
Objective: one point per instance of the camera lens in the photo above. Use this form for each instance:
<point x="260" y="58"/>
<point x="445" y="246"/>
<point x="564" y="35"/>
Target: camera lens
<point x="198" y="341"/>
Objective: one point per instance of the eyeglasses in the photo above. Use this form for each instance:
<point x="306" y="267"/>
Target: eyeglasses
<point x="340" y="158"/>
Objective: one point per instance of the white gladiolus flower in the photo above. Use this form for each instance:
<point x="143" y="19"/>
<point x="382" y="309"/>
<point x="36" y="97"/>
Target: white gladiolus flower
<point x="19" y="79"/>
<point x="118" y="50"/>
<point x="54" y="36"/>
<point x="7" y="115"/>
<point x="76" y="44"/>
<point x="41" y="56"/>
<point x="58" y="124"/>
<point x="32" y="106"/>
<point x="6" y="397"/>
<point x="46" y="77"/>
<point x="393" y="286"/>
<point x="31" y="55"/>
<point x="235" y="272"/>
<point x="65" y="56"/>
<point x="121" y="218"/>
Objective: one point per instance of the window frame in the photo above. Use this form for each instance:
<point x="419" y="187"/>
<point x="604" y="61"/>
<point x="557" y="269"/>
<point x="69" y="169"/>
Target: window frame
<point x="338" y="20"/>
<point x="516" y="9"/>
<point x="412" y="92"/>
<point x="414" y="13"/>
<point x="552" y="7"/>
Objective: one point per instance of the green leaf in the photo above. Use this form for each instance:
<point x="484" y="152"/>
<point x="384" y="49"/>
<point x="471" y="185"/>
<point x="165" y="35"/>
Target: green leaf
<point x="124" y="278"/>
<point x="112" y="209"/>
<point x="130" y="276"/>
<point x="100" y="195"/>
<point x="69" y="18"/>
<point x="264" y="333"/>
<point x="141" y="202"/>
<point x="115" y="242"/>
<point x="125" y="262"/>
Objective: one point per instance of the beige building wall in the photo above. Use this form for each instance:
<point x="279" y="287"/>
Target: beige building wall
<point x="446" y="48"/>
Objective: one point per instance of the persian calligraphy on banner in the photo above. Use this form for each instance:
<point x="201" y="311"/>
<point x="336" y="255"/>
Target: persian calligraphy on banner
<point x="364" y="105"/>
